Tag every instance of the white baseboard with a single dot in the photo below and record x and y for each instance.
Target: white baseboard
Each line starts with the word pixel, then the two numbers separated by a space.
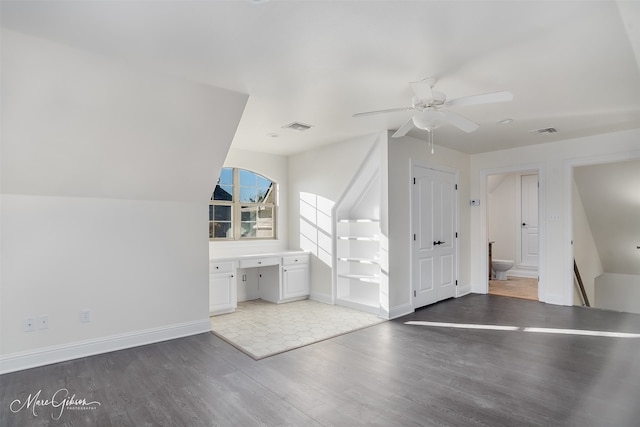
pixel 61 353
pixel 522 272
pixel 325 298
pixel 463 290
pixel 400 310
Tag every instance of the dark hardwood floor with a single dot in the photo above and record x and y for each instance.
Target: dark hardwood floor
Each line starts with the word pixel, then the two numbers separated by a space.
pixel 390 374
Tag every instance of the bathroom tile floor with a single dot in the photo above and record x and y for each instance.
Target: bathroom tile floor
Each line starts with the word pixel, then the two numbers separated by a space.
pixel 261 329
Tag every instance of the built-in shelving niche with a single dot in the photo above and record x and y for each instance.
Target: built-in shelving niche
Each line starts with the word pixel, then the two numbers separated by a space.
pixel 358 240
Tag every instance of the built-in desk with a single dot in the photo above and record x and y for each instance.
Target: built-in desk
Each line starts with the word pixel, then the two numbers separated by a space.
pixel 275 277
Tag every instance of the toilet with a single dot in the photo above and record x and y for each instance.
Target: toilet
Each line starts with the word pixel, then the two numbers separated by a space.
pixel 500 267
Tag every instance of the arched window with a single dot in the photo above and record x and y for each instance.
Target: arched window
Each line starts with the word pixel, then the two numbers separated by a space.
pixel 242 206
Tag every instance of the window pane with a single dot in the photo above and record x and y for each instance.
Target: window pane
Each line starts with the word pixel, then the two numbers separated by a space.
pixel 248 213
pixel 263 182
pixel 248 195
pixel 221 230
pixel 258 223
pixel 265 212
pixel 223 192
pixel 210 213
pixel 226 176
pixel 222 213
pixel 262 194
pixel 247 178
pixel 248 229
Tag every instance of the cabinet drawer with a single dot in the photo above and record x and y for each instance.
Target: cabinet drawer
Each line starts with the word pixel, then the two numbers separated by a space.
pixel 220 267
pixel 259 262
pixel 295 259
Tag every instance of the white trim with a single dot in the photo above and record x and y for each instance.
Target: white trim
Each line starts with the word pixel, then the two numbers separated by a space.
pixel 61 353
pixel 463 290
pixel 483 286
pixel 523 272
pixel 400 310
pixel 320 297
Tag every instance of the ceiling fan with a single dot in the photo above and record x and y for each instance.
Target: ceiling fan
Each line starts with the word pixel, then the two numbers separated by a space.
pixel 431 108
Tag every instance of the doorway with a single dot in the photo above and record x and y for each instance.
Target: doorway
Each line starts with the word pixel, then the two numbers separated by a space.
pixel 434 214
pixel 513 233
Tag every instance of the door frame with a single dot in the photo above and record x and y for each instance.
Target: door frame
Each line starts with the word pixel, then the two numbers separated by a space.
pixel 523 269
pixel 484 238
pixel 440 168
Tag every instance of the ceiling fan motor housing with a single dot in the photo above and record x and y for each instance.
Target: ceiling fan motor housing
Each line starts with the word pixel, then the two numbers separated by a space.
pixel 438 99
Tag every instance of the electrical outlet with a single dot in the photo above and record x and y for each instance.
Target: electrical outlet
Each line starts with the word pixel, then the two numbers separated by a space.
pixel 29 324
pixel 43 322
pixel 85 316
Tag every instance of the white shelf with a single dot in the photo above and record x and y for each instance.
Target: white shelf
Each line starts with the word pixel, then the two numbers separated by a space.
pixel 359 221
pixel 361 260
pixel 361 238
pixel 362 277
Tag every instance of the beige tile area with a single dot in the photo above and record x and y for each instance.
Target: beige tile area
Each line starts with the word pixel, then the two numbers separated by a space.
pixel 262 329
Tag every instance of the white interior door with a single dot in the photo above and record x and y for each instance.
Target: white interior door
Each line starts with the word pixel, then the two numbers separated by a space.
pixel 529 220
pixel 434 239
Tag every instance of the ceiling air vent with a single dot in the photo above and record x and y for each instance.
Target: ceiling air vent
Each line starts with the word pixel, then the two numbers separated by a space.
pixel 300 127
pixel 544 130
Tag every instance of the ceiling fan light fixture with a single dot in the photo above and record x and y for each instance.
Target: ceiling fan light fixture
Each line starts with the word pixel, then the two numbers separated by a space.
pixel 429 120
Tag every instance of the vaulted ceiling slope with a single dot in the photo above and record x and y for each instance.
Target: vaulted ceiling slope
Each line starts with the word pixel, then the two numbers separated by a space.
pixel 572 66
pixel 610 195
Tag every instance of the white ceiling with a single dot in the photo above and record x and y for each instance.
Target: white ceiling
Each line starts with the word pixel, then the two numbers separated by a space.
pixel 571 65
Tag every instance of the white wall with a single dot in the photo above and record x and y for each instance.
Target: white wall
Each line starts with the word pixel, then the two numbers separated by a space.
pixel 324 172
pixel 585 251
pixel 620 292
pixel 276 169
pixel 501 215
pixel 106 174
pixel 556 261
pixel 401 152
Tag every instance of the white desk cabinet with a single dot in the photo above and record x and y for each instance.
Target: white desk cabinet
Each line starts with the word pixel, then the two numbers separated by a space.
pixel 277 278
pixel 222 287
pixel 295 277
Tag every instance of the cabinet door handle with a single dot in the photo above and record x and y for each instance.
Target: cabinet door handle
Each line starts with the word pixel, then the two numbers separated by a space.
pixel 232 275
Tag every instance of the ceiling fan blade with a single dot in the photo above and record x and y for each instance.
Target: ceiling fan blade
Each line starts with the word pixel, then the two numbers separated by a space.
pixel 422 90
pixel 391 110
pixel 406 127
pixel 486 98
pixel 460 122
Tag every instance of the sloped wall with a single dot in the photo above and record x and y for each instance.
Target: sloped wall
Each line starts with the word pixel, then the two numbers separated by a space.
pixel 106 175
pixel 619 292
pixel 585 251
